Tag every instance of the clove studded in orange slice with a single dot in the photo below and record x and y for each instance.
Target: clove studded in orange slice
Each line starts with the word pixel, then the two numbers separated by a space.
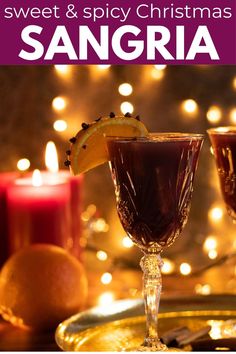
pixel 88 147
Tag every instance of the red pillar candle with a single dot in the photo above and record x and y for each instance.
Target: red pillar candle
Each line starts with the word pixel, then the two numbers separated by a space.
pixel 38 213
pixel 5 179
pixel 76 243
pixel 76 184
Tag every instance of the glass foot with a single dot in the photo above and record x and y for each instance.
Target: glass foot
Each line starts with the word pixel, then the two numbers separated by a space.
pixel 155 347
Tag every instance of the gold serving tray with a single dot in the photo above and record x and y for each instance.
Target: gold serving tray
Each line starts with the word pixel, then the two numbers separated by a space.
pixel 121 326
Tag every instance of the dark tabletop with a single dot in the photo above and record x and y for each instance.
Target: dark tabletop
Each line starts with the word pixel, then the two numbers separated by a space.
pixel 15 339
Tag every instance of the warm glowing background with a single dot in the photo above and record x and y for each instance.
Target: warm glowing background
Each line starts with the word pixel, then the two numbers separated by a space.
pixel 39 104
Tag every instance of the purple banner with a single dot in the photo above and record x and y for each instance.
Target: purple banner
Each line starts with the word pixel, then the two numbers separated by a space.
pixel 118 32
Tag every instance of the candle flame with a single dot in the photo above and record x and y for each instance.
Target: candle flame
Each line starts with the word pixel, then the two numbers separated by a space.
pixel 37 179
pixel 51 158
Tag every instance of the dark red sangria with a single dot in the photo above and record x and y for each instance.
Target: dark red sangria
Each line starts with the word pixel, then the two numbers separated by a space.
pixel 153 180
pixel 223 140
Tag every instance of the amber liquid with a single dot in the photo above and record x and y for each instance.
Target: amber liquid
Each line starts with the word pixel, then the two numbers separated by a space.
pixel 224 146
pixel 153 184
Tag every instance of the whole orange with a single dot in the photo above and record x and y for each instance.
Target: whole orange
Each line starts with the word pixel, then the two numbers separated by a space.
pixel 40 286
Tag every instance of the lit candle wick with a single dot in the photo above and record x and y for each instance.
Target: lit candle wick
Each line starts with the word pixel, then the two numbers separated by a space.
pixel 37 179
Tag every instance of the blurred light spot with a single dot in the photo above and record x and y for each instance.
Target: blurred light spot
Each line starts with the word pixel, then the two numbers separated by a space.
pixel 185 268
pixel 234 82
pixel 198 288
pixel 160 67
pixel 23 164
pixel 60 125
pixel 103 67
pixel 215 214
pixel 203 289
pixel 206 289
pixel 106 278
pixel 214 114
pixel 126 107
pixel 212 150
pixel 100 225
pixel 106 298
pixel 62 69
pixel 127 242
pixel 89 212
pixel 168 266
pixel 59 103
pixel 232 115
pixel 83 241
pixel 213 254
pixel 91 209
pixel 125 89
pixel 101 255
pixel 85 216
pixel 189 106
pixel 157 74
pixel 210 243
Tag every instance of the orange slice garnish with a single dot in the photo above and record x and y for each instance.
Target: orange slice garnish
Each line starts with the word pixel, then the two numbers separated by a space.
pixel 88 148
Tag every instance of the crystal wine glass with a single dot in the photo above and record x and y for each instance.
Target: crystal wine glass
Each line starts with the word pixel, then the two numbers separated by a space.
pixel 223 140
pixel 153 179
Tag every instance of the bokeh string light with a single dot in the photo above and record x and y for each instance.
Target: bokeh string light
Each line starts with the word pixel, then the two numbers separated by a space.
pixel 215 214
pixel 62 70
pixel 100 225
pixel 214 114
pixel 106 278
pixel 23 164
pixel 203 289
pixel 234 83
pixel 185 268
pixel 232 116
pixel 126 107
pixel 213 254
pixel 103 67
pixel 210 243
pixel 189 107
pixel 158 71
pixel 210 247
pixel 168 266
pixel 125 89
pixel 59 103
pixel 160 67
pixel 157 74
pixel 60 125
pixel 101 255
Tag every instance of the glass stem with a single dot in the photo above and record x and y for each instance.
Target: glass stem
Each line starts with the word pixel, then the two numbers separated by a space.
pixel 151 264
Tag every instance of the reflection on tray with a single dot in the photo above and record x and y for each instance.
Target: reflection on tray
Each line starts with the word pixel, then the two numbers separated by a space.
pixel 210 320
